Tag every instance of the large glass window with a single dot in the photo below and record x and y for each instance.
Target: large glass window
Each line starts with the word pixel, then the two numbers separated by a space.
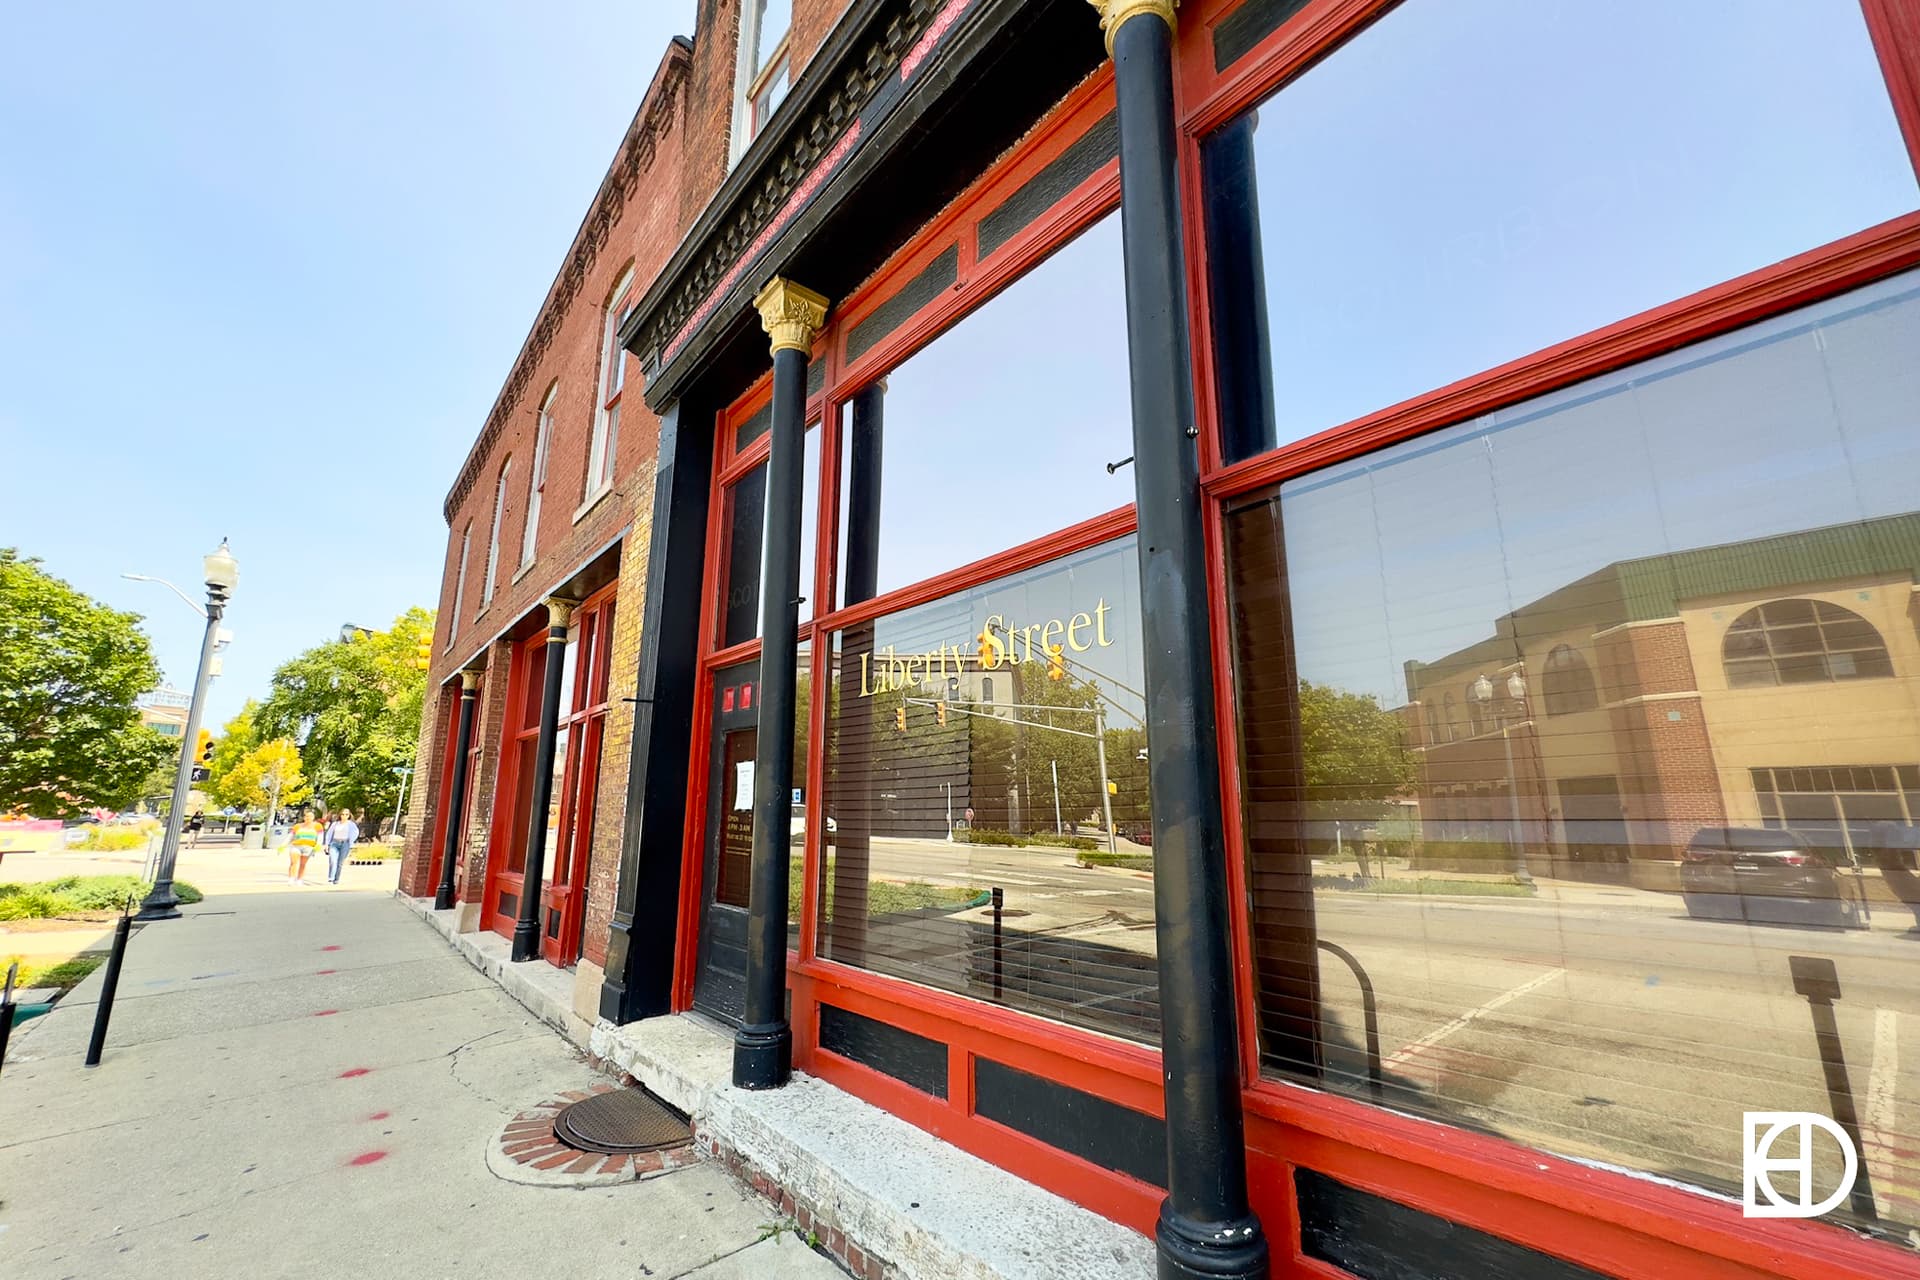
pixel 1465 183
pixel 1585 913
pixel 1014 423
pixel 997 846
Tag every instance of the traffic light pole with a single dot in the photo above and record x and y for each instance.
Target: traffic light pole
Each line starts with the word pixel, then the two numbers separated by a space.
pixel 161 901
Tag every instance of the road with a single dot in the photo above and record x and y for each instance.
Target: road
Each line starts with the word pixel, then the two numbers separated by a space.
pixel 1595 1021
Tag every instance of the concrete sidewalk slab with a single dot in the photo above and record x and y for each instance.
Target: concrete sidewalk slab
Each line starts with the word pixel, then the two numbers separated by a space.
pixel 275 1120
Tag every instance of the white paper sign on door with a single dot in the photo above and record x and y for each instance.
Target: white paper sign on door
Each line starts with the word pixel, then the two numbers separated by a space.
pixel 743 784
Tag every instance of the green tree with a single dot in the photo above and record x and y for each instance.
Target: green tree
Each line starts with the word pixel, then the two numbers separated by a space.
pixel 268 774
pixel 1356 751
pixel 360 702
pixel 70 669
pixel 235 743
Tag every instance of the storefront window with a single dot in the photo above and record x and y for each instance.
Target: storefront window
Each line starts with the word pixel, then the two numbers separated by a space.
pixel 1465 183
pixel 1000 431
pixel 1596 912
pixel 746 545
pixel 968 844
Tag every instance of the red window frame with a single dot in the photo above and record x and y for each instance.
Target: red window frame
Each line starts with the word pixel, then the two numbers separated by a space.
pixel 1120 1071
pixel 1614 1222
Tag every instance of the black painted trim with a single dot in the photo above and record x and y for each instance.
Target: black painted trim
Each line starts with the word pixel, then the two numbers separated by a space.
pixel 1380 1239
pixel 1247 26
pixel 909 1058
pixel 1044 189
pixel 1101 1132
pixel 935 279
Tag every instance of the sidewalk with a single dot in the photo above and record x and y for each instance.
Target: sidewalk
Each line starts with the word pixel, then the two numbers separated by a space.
pixel 305 1083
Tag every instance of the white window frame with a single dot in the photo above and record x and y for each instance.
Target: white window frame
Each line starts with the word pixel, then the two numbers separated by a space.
pixel 613 379
pixel 537 478
pixel 493 539
pixel 460 585
pixel 749 80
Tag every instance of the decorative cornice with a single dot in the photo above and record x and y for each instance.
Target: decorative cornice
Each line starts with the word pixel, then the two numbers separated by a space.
pixel 791 315
pixel 876 44
pixel 651 123
pixel 1115 13
pixel 559 611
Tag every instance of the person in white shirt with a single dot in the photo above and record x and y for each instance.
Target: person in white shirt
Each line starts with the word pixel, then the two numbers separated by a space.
pixel 341 833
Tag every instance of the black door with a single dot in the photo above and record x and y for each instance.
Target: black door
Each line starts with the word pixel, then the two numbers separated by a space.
pixel 719 986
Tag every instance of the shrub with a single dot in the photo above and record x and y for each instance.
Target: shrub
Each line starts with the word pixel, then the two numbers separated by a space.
pixel 112 839
pixel 71 895
pixel 30 902
pixel 102 893
pixel 1044 839
pixel 377 852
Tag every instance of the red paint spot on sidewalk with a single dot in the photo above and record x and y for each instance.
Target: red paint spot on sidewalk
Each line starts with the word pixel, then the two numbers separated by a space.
pixel 380 1115
pixel 325 1013
pixel 351 1072
pixel 321 973
pixel 368 1157
pixel 331 946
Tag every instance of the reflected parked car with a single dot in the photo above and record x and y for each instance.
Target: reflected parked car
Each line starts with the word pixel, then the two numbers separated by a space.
pixel 797 829
pixel 1764 875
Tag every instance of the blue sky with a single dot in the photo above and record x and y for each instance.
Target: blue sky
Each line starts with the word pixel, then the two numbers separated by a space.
pixel 262 271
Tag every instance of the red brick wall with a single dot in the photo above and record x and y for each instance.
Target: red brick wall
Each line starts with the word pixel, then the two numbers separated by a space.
pixel 709 119
pixel 1668 782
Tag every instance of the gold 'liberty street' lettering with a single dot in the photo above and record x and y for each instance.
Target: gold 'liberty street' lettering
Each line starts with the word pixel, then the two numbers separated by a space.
pixel 1001 642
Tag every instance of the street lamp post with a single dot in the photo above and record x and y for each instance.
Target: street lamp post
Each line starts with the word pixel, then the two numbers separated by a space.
pixel 222 573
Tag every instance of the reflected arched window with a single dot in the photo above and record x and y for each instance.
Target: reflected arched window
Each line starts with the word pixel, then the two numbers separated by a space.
pixel 1476 714
pixel 1568 682
pixel 1802 642
pixel 1450 716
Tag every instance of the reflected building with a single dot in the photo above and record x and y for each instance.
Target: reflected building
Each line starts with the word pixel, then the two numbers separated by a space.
pixel 1764 683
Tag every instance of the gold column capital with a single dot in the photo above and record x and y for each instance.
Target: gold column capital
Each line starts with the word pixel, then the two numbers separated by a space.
pixel 560 610
pixel 790 314
pixel 1115 13
pixel 469 680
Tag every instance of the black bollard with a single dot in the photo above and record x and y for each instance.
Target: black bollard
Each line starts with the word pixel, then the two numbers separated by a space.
pixel 6 1010
pixel 104 1010
pixel 999 970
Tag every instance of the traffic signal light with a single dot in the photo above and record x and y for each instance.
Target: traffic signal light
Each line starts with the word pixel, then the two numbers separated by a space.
pixel 1056 662
pixel 900 719
pixel 940 712
pixel 423 654
pixel 989 649
pixel 1113 788
pixel 203 747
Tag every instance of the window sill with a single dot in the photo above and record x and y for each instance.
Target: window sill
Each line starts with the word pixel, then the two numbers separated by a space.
pixel 594 499
pixel 522 572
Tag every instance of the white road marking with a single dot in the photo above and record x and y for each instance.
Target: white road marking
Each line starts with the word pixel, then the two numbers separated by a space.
pixel 1471 1016
pixel 1878 1133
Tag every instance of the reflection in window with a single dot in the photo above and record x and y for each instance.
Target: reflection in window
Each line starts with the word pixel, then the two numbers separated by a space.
pixel 1803 642
pixel 746 498
pixel 1449 233
pixel 969 849
pixel 1555 912
pixel 1567 682
pixel 1001 430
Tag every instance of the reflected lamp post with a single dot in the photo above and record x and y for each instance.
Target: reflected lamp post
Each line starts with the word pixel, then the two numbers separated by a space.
pixel 1482 693
pixel 222 574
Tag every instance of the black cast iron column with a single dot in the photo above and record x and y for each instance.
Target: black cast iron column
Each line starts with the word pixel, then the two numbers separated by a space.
pixel 457 802
pixel 763 1046
pixel 526 929
pixel 1207 1227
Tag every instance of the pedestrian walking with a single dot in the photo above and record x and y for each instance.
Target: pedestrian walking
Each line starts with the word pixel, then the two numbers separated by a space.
pixel 341 833
pixel 305 842
pixel 194 825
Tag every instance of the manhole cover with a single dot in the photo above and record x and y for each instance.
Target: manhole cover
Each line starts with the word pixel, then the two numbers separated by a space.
pixel 621 1122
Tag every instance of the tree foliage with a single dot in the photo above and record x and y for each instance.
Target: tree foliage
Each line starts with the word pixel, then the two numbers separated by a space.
pixel 1355 748
pixel 70 669
pixel 268 772
pixel 365 697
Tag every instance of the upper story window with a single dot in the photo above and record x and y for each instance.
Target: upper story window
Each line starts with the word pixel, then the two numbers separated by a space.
pixel 460 585
pixel 1568 682
pixel 493 538
pixel 613 377
pixel 763 73
pixel 1802 642
pixel 537 480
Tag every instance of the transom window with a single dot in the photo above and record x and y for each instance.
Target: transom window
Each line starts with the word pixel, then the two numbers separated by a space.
pixel 1803 642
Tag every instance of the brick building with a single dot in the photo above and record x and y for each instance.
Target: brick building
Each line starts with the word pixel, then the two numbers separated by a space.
pixel 964 627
